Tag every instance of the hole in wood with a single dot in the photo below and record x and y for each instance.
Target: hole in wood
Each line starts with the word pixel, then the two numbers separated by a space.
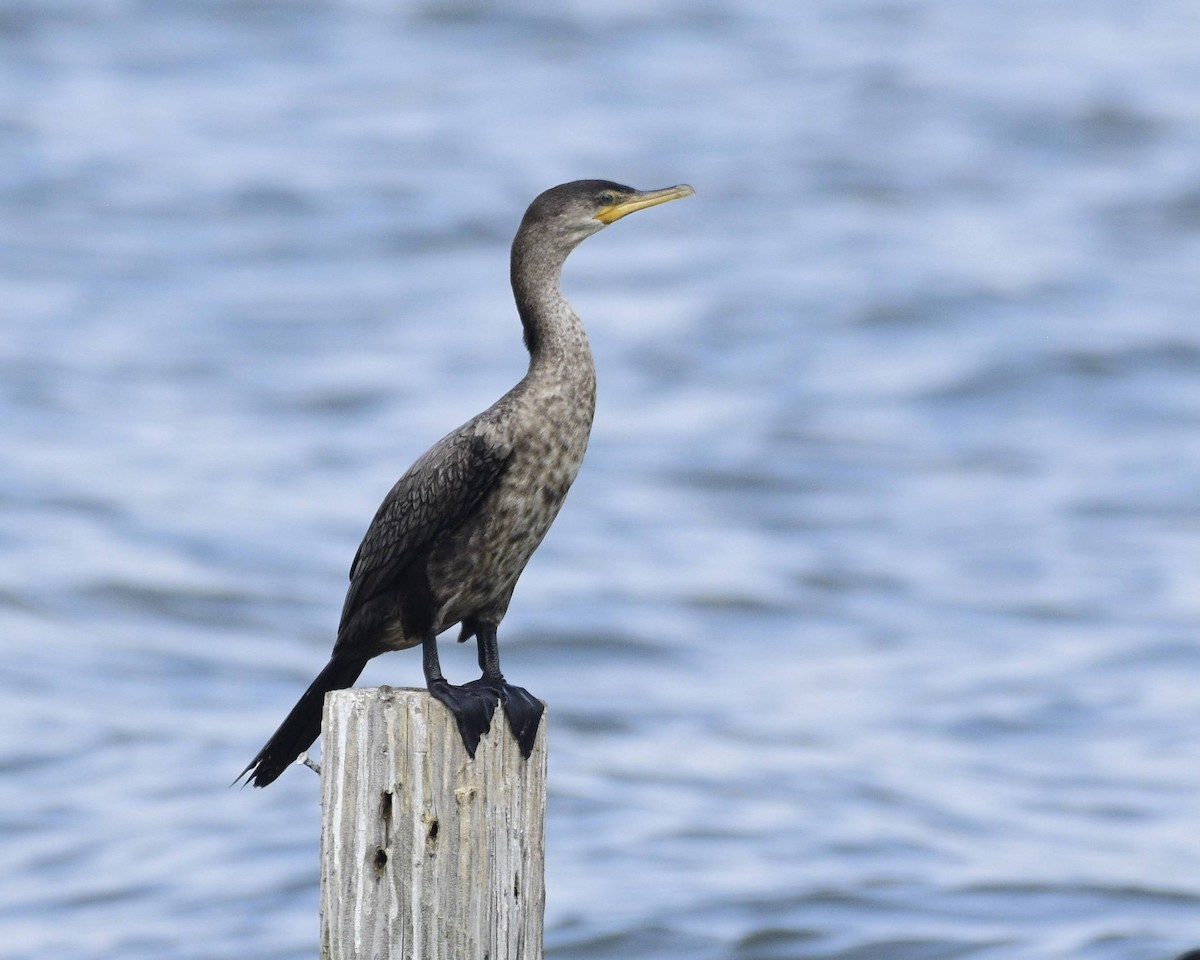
pixel 381 859
pixel 433 830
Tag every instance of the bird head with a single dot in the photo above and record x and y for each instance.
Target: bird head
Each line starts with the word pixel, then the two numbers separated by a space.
pixel 573 211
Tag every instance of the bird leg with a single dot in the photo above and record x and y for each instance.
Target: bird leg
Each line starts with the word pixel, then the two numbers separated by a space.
pixel 523 709
pixel 473 706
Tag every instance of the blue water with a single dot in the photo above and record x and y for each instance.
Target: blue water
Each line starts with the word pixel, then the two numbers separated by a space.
pixel 870 628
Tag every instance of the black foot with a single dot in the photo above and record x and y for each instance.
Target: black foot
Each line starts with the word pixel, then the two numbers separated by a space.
pixel 524 712
pixel 472 706
pixel 523 709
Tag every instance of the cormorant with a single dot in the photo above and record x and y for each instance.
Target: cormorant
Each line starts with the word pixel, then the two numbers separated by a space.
pixel 451 538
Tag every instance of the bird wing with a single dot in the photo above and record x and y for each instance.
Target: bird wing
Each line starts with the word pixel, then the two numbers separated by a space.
pixel 433 497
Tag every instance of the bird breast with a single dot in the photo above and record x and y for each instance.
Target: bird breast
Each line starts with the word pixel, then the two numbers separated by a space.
pixel 546 427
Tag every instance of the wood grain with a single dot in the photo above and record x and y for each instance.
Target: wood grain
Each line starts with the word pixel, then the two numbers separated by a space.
pixel 427 854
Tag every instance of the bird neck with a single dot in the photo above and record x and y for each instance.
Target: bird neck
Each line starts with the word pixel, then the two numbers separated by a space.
pixel 554 334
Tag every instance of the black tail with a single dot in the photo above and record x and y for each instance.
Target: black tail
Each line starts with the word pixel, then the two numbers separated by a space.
pixel 303 725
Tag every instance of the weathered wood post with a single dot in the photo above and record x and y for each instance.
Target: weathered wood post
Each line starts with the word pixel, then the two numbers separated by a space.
pixel 427 854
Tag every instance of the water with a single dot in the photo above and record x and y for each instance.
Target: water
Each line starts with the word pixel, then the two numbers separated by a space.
pixel 869 628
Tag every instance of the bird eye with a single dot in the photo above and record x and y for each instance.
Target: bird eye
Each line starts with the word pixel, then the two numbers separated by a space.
pixel 608 198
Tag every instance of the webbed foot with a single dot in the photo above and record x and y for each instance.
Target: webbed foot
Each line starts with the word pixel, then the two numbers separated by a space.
pixel 524 712
pixel 473 707
pixel 523 709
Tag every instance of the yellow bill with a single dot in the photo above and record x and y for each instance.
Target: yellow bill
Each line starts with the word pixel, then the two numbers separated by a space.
pixel 639 201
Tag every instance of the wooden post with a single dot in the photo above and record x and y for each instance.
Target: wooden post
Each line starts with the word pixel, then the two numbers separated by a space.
pixel 427 854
